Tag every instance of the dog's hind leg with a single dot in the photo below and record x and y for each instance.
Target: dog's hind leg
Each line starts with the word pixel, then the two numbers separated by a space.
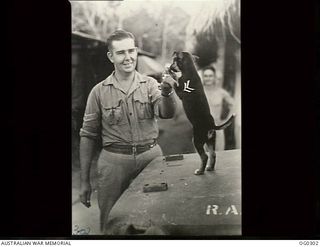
pixel 198 143
pixel 211 148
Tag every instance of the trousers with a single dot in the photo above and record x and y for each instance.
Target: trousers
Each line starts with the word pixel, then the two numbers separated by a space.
pixel 115 173
pixel 220 142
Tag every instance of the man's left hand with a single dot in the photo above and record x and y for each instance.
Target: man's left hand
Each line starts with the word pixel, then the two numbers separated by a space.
pixel 167 85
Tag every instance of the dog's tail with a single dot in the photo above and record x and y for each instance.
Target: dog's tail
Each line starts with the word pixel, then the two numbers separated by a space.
pixel 224 125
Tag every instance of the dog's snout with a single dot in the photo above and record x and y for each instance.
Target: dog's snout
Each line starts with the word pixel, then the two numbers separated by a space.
pixel 171 67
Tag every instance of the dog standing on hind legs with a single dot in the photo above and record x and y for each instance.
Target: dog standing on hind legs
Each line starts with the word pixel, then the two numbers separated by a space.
pixel 190 90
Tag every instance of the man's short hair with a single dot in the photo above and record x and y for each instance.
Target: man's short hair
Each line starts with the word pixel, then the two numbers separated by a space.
pixel 209 68
pixel 118 35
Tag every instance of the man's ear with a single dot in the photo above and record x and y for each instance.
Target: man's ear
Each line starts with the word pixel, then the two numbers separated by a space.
pixel 109 54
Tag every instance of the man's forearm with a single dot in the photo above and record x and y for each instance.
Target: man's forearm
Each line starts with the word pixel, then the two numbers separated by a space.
pixel 167 106
pixel 86 154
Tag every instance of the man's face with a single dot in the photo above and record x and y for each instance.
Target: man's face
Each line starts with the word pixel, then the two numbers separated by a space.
pixel 123 55
pixel 209 77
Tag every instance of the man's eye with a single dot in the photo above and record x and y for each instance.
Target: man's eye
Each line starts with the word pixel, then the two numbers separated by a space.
pixel 120 52
pixel 131 50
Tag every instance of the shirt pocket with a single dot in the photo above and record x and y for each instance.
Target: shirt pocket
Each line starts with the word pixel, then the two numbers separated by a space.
pixel 143 107
pixel 114 115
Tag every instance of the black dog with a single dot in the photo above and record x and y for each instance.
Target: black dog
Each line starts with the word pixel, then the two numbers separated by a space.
pixel 190 90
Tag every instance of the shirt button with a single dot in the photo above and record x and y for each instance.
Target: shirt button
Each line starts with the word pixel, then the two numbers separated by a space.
pixel 130 113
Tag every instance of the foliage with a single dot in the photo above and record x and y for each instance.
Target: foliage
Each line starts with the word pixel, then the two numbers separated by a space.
pixel 158 28
pixel 160 34
pixel 95 18
pixel 162 28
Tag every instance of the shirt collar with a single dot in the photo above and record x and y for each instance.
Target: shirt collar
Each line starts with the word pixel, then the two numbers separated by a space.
pixel 138 78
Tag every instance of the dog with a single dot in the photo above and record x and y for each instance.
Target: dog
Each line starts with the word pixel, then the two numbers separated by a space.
pixel 190 90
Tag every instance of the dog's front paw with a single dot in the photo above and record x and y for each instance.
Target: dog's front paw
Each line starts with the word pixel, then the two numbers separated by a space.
pixel 169 80
pixel 199 172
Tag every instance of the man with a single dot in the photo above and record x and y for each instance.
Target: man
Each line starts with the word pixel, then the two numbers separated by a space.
pixel 220 102
pixel 121 110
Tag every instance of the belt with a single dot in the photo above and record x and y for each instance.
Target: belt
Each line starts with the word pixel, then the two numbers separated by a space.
pixel 129 149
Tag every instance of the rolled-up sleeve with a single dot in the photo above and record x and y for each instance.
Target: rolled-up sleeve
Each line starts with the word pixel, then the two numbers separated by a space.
pixel 154 95
pixel 91 126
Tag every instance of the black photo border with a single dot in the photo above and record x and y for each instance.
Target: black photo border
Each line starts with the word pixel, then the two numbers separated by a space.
pixel 280 120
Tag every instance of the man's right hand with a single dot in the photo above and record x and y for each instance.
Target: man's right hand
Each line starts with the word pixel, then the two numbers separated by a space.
pixel 85 194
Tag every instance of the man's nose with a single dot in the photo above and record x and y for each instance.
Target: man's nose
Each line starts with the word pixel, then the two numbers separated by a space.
pixel 127 55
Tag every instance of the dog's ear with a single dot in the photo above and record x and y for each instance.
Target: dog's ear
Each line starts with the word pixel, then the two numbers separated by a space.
pixel 178 54
pixel 195 58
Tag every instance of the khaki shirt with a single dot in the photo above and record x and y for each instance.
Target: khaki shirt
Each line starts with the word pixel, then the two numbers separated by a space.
pixel 120 117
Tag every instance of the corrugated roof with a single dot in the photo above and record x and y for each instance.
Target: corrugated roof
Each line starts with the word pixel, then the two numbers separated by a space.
pixel 88 37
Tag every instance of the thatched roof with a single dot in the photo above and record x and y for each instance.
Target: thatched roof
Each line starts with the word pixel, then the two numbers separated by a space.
pixel 217 14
